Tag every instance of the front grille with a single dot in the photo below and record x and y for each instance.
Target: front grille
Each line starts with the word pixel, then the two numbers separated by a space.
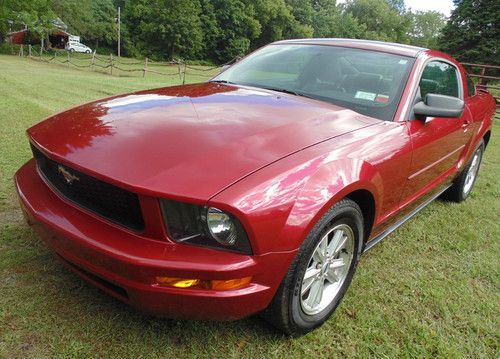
pixel 111 202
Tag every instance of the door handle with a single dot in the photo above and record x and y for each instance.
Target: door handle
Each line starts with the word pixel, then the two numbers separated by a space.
pixel 466 123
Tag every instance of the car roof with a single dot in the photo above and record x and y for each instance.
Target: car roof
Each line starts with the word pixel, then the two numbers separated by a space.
pixel 382 46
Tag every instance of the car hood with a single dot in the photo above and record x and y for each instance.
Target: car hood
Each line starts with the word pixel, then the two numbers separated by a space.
pixel 189 142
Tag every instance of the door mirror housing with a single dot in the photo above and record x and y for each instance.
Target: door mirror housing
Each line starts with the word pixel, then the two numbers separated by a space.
pixel 435 105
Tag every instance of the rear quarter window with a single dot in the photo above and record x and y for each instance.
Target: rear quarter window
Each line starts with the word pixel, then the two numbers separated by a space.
pixel 471 87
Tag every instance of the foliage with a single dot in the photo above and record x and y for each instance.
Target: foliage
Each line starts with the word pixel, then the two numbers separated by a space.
pixel 220 30
pixel 35 14
pixel 472 33
pixel 382 20
pixel 92 20
pixel 165 28
pixel 230 28
pixel 426 27
pixel 277 22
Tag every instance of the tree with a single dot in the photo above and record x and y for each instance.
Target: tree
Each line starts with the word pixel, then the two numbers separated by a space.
pixel 92 20
pixel 164 28
pixel 35 14
pixel 426 28
pixel 382 20
pixel 5 18
pixel 302 11
pixel 277 22
pixel 237 27
pixel 331 20
pixel 472 33
pixel 398 5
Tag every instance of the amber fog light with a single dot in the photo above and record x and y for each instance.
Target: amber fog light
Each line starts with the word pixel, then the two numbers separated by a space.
pixel 225 284
pixel 177 282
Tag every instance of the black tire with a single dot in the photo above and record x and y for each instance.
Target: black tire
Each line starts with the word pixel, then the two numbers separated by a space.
pixel 87 51
pixel 71 50
pixel 285 310
pixel 458 192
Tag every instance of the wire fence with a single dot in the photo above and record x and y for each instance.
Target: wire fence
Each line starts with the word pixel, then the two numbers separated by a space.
pixel 119 66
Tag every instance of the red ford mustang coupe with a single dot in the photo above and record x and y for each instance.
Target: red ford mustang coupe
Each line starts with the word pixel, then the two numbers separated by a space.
pixel 259 190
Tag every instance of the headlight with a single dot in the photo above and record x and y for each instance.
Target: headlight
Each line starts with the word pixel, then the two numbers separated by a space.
pixel 221 226
pixel 212 227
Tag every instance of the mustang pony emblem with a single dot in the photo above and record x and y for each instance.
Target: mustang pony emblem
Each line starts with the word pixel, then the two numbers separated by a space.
pixel 70 178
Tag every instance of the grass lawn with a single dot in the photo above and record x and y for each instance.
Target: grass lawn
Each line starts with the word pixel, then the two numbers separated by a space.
pixel 431 289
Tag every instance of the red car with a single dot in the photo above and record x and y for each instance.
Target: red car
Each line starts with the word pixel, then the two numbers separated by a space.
pixel 259 190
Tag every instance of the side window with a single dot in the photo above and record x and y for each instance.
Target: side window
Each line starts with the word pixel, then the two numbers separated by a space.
pixel 471 87
pixel 439 78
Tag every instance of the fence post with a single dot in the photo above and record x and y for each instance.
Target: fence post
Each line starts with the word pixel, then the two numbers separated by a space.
pixel 179 70
pixel 184 75
pixel 21 53
pixel 482 80
pixel 67 58
pixel 29 51
pixel 41 53
pixel 145 69
pixel 111 63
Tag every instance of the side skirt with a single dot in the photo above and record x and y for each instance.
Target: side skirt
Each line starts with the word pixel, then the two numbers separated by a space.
pixel 396 225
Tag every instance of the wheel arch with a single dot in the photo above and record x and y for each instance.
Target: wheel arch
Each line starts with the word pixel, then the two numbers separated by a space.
pixel 366 202
pixel 486 138
pixel 356 180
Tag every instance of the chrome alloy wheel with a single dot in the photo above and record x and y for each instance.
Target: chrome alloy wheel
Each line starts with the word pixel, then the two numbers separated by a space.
pixel 472 172
pixel 327 269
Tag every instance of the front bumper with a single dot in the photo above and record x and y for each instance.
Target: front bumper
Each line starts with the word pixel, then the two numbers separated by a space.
pixel 125 264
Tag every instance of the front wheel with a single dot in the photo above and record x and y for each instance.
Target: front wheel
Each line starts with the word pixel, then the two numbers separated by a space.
pixel 463 184
pixel 321 272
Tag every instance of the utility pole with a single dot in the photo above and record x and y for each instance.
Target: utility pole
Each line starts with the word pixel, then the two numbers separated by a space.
pixel 119 23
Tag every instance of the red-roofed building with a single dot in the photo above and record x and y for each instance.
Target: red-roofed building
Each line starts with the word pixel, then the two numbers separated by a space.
pixel 17 37
pixel 57 37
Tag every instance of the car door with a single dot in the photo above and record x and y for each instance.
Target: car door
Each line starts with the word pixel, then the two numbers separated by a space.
pixel 438 143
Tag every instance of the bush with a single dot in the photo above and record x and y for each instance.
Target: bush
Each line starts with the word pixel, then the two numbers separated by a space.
pixel 11 49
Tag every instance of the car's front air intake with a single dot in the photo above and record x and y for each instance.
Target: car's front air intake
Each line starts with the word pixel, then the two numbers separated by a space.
pixel 111 202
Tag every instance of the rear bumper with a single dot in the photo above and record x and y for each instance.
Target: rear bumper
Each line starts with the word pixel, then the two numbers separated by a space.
pixel 124 264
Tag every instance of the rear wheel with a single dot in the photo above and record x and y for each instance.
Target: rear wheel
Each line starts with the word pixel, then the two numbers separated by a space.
pixel 464 183
pixel 320 274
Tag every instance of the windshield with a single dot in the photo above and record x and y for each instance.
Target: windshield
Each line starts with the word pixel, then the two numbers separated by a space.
pixel 364 81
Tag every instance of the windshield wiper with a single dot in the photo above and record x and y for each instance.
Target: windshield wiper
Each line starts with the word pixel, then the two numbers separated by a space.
pixel 277 89
pixel 223 82
pixel 292 92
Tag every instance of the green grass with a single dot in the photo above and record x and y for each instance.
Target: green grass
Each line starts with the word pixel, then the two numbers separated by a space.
pixel 430 289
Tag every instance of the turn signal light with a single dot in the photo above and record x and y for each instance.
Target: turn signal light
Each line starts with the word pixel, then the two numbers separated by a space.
pixel 226 284
pixel 230 283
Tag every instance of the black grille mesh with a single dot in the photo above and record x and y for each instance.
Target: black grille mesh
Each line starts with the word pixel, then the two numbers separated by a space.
pixel 104 199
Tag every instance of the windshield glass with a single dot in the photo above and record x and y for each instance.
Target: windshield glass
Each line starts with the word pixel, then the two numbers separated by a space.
pixel 364 81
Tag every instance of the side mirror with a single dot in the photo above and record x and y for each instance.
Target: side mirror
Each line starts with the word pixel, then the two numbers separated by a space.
pixel 435 105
